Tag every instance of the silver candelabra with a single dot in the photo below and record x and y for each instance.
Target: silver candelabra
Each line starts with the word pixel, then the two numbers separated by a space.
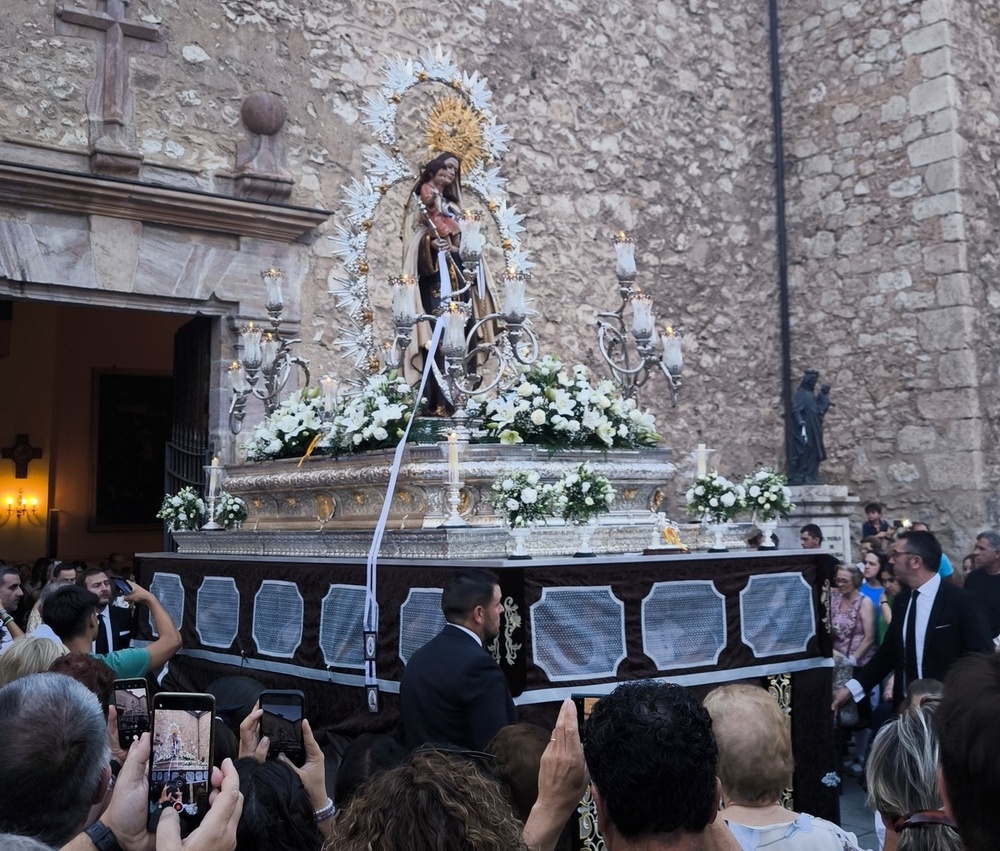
pixel 631 370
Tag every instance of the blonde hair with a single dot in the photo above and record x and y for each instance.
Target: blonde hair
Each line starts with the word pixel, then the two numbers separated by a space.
pixel 755 744
pixel 29 655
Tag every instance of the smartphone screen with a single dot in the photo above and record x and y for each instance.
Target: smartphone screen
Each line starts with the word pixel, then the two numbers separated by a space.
pixel 181 763
pixel 585 704
pixel 124 589
pixel 132 706
pixel 282 724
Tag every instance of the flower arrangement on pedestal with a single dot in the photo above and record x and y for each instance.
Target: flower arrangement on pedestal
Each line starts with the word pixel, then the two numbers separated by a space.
pixel 561 409
pixel 230 511
pixel 290 430
pixel 183 511
pixel 715 499
pixel 521 500
pixel 767 494
pixel 581 495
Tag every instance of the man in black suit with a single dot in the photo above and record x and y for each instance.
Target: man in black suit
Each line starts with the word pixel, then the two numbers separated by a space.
pixel 452 691
pixel 114 624
pixel 933 624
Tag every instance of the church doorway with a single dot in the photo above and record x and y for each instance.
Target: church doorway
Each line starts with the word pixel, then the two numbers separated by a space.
pixel 107 399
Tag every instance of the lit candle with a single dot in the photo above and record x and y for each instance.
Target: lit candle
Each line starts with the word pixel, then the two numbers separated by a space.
pixel 702 456
pixel 269 350
pixel 330 392
pixel 625 256
pixel 454 329
pixel 250 339
pixel 642 316
pixel 404 298
pixel 673 357
pixel 272 281
pixel 470 226
pixel 513 294
pixel 213 478
pixel 237 378
pixel 452 457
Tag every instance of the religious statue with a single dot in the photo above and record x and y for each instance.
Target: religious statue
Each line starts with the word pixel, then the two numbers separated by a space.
pixel 806 449
pixel 431 237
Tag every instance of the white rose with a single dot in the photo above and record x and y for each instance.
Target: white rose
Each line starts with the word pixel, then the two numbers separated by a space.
pixel 754 491
pixel 728 500
pixel 588 500
pixel 699 491
pixel 714 502
pixel 507 484
pixel 529 496
pixel 533 478
pixel 538 417
pixel 585 487
pixel 512 505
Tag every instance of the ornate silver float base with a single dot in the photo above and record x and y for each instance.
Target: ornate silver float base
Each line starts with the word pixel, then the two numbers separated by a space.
pixel 485 542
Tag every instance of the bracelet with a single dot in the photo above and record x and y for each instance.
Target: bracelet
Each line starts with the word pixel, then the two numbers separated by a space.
pixel 325 812
pixel 6 620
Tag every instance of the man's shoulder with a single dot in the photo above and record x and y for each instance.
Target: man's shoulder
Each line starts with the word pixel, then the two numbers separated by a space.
pixel 129 663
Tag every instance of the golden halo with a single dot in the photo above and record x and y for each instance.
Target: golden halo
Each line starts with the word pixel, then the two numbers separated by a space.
pixel 454 126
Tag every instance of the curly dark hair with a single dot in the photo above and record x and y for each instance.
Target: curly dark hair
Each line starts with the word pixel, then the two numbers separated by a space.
pixel 652 758
pixel 434 802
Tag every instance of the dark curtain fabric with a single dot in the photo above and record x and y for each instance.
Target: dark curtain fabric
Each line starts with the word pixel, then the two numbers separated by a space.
pixel 339 710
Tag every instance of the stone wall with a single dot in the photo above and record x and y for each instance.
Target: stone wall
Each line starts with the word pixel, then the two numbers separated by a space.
pixel 654 117
pixel 879 190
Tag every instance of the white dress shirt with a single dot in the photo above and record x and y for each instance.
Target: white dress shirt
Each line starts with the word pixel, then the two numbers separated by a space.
pixel 925 602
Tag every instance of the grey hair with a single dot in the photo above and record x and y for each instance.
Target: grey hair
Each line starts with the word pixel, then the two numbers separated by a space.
pixel 55 745
pixel 991 537
pixel 10 842
pixel 902 777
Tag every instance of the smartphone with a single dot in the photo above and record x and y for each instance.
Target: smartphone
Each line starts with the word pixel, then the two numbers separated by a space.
pixel 180 766
pixel 132 705
pixel 585 704
pixel 124 589
pixel 282 724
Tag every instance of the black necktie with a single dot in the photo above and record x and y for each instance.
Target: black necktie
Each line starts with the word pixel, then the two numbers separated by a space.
pixel 101 644
pixel 911 640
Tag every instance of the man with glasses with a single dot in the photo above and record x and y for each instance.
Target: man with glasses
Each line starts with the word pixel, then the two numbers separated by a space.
pixel 933 623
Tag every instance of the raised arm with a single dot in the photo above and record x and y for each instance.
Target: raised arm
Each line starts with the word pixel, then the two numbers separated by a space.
pixel 169 639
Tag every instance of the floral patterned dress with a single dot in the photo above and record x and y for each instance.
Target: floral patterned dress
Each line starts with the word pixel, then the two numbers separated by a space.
pixel 848 630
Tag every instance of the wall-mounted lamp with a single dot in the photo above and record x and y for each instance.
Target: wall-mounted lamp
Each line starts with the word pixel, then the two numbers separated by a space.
pixel 23 507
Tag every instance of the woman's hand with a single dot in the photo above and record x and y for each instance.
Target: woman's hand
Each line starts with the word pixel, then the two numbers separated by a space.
pixel 251 743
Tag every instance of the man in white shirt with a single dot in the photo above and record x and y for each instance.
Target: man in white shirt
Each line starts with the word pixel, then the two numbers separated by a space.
pixel 10 596
pixel 933 623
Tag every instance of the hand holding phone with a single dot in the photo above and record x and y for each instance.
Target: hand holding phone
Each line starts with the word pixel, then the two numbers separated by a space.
pixel 282 724
pixel 123 588
pixel 180 765
pixel 132 707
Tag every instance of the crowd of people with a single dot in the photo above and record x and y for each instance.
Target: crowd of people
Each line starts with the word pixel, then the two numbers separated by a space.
pixel 666 769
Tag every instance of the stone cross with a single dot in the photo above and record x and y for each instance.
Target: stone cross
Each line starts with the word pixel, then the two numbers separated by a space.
pixel 109 99
pixel 21 453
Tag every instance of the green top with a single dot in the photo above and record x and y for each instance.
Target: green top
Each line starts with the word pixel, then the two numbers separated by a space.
pixel 127 664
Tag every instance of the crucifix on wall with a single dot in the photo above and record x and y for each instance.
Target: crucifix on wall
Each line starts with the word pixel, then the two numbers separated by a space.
pixel 21 453
pixel 109 98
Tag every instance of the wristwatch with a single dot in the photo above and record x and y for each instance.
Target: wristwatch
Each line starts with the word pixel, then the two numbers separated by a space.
pixel 102 837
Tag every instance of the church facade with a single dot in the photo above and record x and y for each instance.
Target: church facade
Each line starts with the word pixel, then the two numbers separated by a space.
pixel 156 156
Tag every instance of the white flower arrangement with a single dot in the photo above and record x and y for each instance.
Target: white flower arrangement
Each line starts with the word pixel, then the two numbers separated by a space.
pixel 561 409
pixel 581 494
pixel 767 494
pixel 183 511
pixel 375 418
pixel 289 431
pixel 716 499
pixel 230 510
pixel 521 499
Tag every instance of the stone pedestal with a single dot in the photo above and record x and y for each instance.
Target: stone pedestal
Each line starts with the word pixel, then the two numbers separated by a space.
pixel 831 508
